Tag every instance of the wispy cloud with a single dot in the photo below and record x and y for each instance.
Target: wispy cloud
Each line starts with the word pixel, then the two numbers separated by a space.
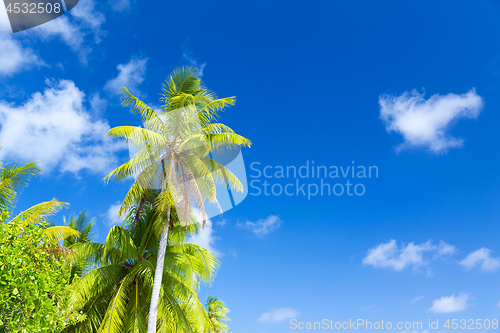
pixel 483 258
pixel 189 56
pixel 112 217
pixel 74 28
pixel 97 104
pixel 55 128
pixel 205 237
pixel 425 123
pixel 14 57
pixel 445 249
pixel 416 299
pixel 276 315
pixel 221 223
pixel 120 5
pixel 448 304
pixel 411 255
pixel 130 75
pixel 262 227
pixel 368 307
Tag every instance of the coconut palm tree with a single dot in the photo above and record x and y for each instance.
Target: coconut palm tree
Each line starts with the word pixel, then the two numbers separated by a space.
pixel 115 296
pixel 174 156
pixel 217 313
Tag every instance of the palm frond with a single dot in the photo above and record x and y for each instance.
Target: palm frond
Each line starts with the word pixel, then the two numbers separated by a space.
pixel 59 233
pixel 138 106
pixel 12 178
pixel 40 213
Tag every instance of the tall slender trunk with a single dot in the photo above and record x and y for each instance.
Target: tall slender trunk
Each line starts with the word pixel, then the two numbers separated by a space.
pixel 155 295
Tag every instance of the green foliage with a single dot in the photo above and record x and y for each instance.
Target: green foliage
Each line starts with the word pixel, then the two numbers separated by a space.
pixel 182 141
pixel 12 178
pixel 174 157
pixel 86 231
pixel 34 289
pixel 217 313
pixel 116 294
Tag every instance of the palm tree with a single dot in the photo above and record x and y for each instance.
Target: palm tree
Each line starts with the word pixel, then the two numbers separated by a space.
pixel 39 215
pixel 174 156
pixel 12 178
pixel 115 296
pixel 86 230
pixel 52 235
pixel 216 312
pixel 82 224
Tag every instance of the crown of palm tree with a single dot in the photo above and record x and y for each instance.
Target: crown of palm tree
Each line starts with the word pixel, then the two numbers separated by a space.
pixel 173 148
pixel 217 313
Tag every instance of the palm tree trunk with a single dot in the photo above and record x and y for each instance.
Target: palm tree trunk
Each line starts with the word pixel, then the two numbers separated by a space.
pixel 155 295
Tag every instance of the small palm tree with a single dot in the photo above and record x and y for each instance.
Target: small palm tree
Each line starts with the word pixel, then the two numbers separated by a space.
pixel 13 177
pixel 174 157
pixel 115 295
pixel 86 230
pixel 52 235
pixel 39 215
pixel 83 225
pixel 217 313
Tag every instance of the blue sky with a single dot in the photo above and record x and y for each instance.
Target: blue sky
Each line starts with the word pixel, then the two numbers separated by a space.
pixel 409 87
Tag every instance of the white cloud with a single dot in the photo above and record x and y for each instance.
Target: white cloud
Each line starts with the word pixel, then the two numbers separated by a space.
pixel 390 255
pixel 14 57
pixel 120 5
pixel 450 304
pixel 97 104
pixel 481 257
pixel 262 227
pixel 222 223
pixel 368 307
pixel 189 56
pixel 4 21
pixel 424 123
pixel 416 299
pixel 130 75
pixel 54 128
pixel 89 18
pixel 445 249
pixel 112 214
pixel 74 28
pixel 276 315
pixel 205 237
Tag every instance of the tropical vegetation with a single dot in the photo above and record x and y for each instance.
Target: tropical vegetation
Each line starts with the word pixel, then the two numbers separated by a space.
pixel 173 157
pixel 217 314
pixel 35 293
pixel 144 277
